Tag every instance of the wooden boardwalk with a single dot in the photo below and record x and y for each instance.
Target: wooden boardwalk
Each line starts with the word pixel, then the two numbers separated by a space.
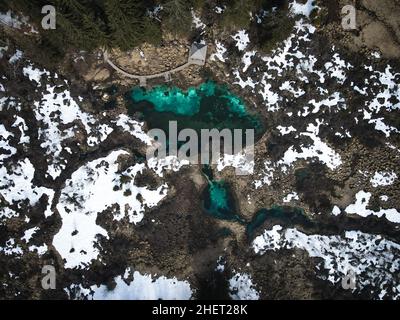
pixel 143 78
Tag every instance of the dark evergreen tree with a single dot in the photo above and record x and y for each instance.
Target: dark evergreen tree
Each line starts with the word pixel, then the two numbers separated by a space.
pixel 177 16
pixel 89 24
pixel 125 22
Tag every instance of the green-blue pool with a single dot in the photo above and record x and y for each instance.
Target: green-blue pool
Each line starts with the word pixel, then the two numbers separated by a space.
pixel 208 106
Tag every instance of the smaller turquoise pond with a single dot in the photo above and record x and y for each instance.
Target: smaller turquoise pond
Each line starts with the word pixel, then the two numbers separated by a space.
pixel 219 202
pixel 218 198
pixel 285 216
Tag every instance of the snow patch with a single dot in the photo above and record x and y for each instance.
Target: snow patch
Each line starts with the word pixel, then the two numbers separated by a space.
pixel 241 288
pixel 374 260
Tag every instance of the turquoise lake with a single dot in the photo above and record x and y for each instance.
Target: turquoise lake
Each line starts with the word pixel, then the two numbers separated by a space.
pixel 207 106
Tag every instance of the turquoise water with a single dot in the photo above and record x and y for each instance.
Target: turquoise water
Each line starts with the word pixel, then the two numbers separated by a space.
pixel 173 99
pixel 285 216
pixel 219 202
pixel 207 106
pixel 218 198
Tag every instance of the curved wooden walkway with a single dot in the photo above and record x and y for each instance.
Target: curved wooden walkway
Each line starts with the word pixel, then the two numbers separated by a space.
pixel 143 78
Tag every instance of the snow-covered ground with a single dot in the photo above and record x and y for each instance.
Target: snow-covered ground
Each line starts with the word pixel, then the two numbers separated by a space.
pixel 361 204
pixel 241 287
pixel 135 286
pixel 93 188
pixel 374 260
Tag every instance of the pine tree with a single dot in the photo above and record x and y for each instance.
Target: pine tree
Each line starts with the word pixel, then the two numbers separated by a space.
pixel 89 24
pixel 152 31
pixel 125 21
pixel 237 13
pixel 177 16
